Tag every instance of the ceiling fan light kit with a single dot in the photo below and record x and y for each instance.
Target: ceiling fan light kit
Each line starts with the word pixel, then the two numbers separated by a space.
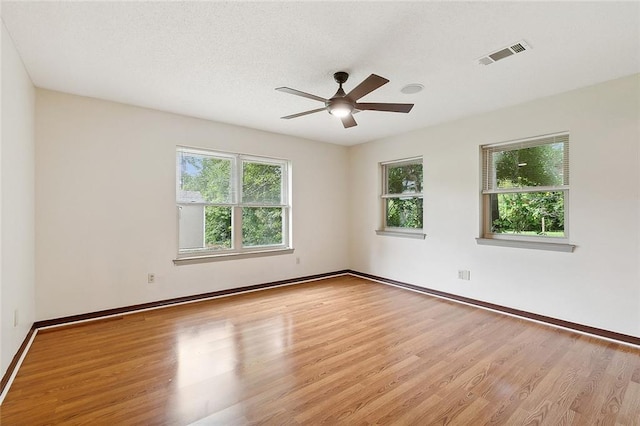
pixel 343 105
pixel 339 109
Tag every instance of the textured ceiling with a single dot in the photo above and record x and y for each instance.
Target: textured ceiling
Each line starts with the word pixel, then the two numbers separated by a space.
pixel 222 60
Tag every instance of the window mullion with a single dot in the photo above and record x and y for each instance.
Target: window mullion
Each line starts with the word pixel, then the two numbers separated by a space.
pixel 236 226
pixel 285 225
pixel 237 210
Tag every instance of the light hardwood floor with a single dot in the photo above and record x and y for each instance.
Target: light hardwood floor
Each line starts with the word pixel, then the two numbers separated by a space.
pixel 337 351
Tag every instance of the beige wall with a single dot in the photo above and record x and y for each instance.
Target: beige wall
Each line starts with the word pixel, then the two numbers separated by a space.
pixel 106 213
pixel 17 255
pixel 106 205
pixel 597 285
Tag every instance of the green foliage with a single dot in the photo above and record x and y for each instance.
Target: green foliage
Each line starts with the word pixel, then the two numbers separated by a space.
pixel 217 230
pixel 536 166
pixel 404 179
pixel 261 183
pixel 261 226
pixel 404 213
pixel 525 212
pixel 211 177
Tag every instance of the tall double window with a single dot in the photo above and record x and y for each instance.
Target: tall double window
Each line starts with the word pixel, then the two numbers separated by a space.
pixel 231 203
pixel 402 197
pixel 525 189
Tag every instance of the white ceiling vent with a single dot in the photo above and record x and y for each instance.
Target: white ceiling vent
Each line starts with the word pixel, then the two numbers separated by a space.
pixel 517 47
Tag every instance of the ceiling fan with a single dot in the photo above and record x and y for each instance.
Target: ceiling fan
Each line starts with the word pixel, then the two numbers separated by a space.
pixel 344 105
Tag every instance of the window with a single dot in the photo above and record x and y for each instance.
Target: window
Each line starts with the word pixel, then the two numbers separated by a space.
pixel 230 203
pixel 525 189
pixel 402 198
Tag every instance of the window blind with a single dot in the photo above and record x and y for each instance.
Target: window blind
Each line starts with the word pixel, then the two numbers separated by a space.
pixel 489 183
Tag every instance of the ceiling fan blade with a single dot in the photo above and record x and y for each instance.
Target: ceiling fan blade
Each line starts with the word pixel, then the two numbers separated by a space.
pixel 300 114
pixel 369 84
pixel 299 93
pixel 384 107
pixel 348 121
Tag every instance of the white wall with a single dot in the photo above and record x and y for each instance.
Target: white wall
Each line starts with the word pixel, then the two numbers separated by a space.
pixel 597 285
pixel 105 190
pixel 17 257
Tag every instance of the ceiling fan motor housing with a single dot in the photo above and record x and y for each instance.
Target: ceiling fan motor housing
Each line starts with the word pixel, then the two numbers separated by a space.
pixel 340 77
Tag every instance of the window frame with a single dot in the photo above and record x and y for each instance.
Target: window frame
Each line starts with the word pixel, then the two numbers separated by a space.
pixel 385 195
pixel 237 204
pixel 488 188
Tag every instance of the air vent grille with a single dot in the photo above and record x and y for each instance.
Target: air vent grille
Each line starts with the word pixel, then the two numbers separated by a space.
pixel 501 54
pixel 505 52
pixel 518 48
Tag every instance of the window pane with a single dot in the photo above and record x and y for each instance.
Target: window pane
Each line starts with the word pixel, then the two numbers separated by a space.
pixel 528 213
pixel 261 226
pixel 404 212
pixel 218 228
pixel 191 227
pixel 405 178
pixel 204 179
pixel 204 227
pixel 261 183
pixel 535 166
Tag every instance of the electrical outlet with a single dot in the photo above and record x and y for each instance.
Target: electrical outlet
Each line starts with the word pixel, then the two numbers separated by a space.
pixel 464 274
pixel 15 318
pixel 151 278
pixel 297 260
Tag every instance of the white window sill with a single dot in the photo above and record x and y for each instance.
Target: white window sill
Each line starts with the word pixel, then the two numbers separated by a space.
pixel 230 256
pixel 536 245
pixel 415 235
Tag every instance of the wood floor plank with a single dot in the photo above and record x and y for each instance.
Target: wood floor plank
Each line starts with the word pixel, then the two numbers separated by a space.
pixel 336 351
pixel 630 410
